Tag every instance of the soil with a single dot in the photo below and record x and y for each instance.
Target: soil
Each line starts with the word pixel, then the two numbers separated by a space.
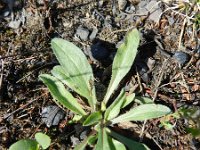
pixel 167 67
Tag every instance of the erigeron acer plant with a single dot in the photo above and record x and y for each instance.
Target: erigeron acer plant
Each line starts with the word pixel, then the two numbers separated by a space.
pixel 75 72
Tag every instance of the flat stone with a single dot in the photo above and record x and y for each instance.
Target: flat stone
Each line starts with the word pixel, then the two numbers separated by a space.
pixel 15 24
pixel 181 57
pixel 155 11
pixel 82 33
pixel 52 115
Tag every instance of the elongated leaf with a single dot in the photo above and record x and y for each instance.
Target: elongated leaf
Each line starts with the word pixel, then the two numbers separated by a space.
pixel 131 144
pixel 61 95
pixel 114 109
pixel 130 98
pixel 104 141
pixel 118 145
pixel 77 70
pixel 123 61
pixel 59 73
pixel 143 100
pixel 25 145
pixel 92 140
pixel 93 118
pixel 43 139
pixel 83 144
pixel 143 112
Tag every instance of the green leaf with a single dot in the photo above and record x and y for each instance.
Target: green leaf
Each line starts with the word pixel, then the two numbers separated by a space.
pixel 143 100
pixel 143 112
pixel 92 140
pixel 123 61
pixel 71 82
pixel 84 143
pixel 61 95
pixel 78 72
pixel 131 144
pixel 194 131
pixel 43 139
pixel 128 100
pixel 118 145
pixel 104 141
pixel 93 118
pixel 114 109
pixel 76 118
pixel 25 145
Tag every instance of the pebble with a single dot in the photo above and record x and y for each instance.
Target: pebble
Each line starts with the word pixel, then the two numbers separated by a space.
pixel 82 33
pixel 5 13
pixel 52 115
pixel 130 9
pixel 181 57
pixel 94 33
pixel 143 71
pixel 122 4
pixel 75 141
pixel 108 22
pixel 155 10
pixel 84 134
pixel 99 51
pixel 15 24
pixel 119 43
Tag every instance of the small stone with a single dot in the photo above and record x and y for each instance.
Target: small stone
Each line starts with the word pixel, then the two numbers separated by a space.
pixel 170 20
pixel 130 9
pixel 119 43
pixel 181 57
pixel 84 134
pixel 143 71
pixel 155 10
pixel 15 24
pixel 108 22
pixel 5 13
pixel 94 33
pixel 75 141
pixel 52 115
pixel 122 4
pixel 82 33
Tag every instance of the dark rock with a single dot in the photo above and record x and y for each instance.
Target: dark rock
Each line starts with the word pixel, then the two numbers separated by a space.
pixel 99 51
pixel 112 55
pixel 143 71
pixel 82 33
pixel 52 115
pixel 181 57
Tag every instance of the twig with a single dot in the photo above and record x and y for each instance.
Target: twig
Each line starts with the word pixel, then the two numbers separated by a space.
pixel 181 34
pixel 1 77
pixel 24 77
pixel 155 94
pixel 160 79
pixel 155 142
pixel 22 107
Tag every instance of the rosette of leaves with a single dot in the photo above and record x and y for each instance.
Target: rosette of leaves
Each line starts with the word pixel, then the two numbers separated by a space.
pixel 76 73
